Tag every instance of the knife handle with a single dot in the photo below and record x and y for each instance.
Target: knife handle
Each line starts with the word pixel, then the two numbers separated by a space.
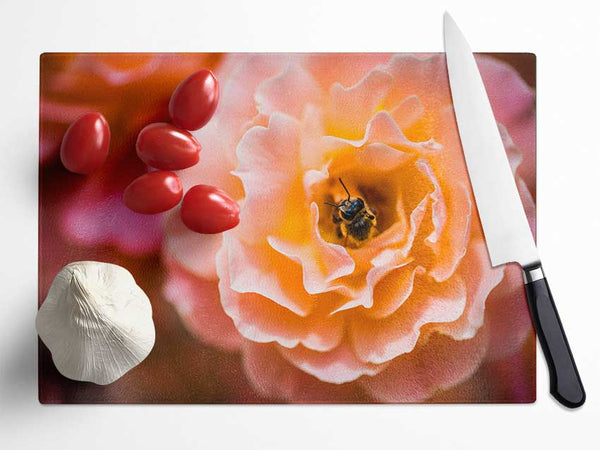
pixel 565 383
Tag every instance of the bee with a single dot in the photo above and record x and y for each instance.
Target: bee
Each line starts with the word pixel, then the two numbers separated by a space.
pixel 354 219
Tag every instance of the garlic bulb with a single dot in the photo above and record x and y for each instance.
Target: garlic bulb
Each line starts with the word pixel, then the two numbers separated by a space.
pixel 96 321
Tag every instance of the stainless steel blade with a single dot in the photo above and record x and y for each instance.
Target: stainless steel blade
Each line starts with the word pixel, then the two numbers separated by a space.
pixel 505 225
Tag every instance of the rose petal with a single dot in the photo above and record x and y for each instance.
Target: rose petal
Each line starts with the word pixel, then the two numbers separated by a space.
pixel 438 205
pixel 440 363
pixel 408 112
pixel 394 245
pixel 197 302
pixel 380 340
pixel 259 270
pixel 261 320
pixel 196 252
pixel 351 109
pixel 480 279
pixel 322 262
pixel 342 68
pixel 513 102
pixel 269 165
pixel 288 92
pixel 314 178
pixel 528 205
pixel 240 76
pixel 239 79
pixel 386 261
pixel 507 315
pixel 380 129
pixel 424 75
pixel 337 366
pixel 365 296
pixel 381 157
pixel 393 290
pixel 416 217
pixel 515 157
pixel 449 169
pixel 275 377
pixel 313 130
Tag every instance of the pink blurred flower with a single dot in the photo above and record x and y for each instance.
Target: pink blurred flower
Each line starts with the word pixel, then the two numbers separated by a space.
pixel 131 91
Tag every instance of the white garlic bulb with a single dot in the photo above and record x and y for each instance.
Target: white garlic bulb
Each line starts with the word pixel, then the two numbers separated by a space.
pixel 96 321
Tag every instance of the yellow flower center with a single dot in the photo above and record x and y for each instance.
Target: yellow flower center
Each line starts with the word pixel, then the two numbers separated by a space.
pixel 355 220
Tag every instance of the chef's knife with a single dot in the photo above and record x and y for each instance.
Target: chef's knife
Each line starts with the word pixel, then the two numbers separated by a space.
pixel 507 234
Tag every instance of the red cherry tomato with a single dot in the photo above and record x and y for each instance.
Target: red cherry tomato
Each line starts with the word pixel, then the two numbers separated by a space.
pixel 85 144
pixel 167 147
pixel 207 209
pixel 153 192
pixel 194 101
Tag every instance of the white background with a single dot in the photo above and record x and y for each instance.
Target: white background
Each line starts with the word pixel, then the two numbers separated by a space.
pixel 566 39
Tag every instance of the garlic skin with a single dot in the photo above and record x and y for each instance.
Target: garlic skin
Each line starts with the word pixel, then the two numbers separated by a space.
pixel 96 321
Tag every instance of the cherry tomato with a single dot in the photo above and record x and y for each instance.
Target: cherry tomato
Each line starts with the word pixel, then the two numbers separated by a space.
pixel 153 192
pixel 194 101
pixel 85 144
pixel 207 209
pixel 167 147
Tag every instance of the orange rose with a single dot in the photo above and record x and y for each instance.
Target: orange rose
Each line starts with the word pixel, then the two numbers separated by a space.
pixel 408 311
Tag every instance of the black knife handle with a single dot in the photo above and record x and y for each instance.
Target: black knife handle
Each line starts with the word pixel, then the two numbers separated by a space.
pixel 565 383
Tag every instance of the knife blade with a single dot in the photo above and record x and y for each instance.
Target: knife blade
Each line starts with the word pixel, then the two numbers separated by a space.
pixel 506 230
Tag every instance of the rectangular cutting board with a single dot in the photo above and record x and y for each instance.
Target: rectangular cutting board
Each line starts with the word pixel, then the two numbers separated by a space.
pixel 290 306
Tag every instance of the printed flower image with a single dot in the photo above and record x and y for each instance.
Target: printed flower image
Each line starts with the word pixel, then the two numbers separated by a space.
pixel 358 272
